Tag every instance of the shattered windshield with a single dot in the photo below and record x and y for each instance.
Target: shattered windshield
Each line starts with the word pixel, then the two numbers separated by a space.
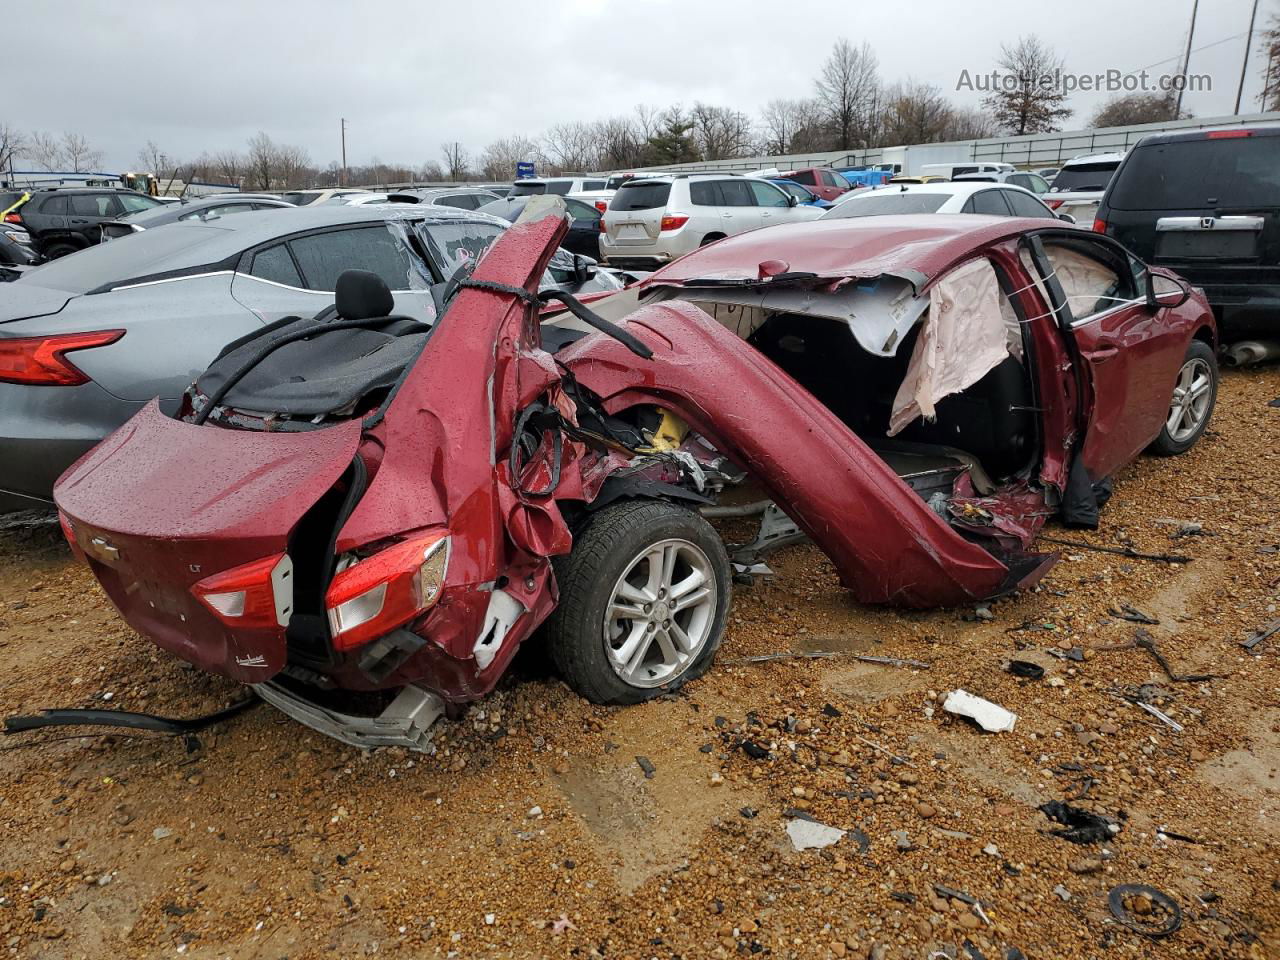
pixel 454 245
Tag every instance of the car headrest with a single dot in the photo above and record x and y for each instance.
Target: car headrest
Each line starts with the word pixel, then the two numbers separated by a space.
pixel 361 295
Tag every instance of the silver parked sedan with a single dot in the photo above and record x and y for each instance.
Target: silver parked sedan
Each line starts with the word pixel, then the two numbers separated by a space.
pixel 87 340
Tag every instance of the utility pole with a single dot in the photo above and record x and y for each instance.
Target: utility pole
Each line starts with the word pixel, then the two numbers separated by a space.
pixel 1248 46
pixel 1186 59
pixel 342 180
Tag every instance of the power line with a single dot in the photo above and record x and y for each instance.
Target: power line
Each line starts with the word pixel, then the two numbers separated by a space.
pixel 1235 36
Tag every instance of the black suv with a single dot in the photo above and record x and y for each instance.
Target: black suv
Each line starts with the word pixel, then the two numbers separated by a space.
pixel 1207 205
pixel 64 220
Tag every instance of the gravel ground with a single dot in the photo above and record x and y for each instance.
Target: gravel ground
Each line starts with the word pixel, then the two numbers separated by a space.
pixel 535 832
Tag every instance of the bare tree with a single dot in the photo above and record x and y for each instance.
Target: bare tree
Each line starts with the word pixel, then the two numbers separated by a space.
pixel 12 144
pixel 648 120
pixel 78 155
pixel 44 150
pixel 848 87
pixel 261 161
pixel 229 165
pixel 292 165
pixel 498 162
pixel 620 142
pixel 456 161
pixel 914 113
pixel 571 147
pixel 1031 101
pixel 1137 108
pixel 719 132
pixel 152 159
pixel 969 124
pixel 779 120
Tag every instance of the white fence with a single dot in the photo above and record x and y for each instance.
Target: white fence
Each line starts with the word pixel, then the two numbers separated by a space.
pixel 1032 150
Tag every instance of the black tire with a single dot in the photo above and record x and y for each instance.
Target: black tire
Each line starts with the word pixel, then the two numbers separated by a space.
pixel 1166 444
pixel 55 250
pixel 711 238
pixel 613 541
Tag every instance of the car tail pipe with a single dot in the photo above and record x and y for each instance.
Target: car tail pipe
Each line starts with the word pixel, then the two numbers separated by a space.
pixel 1246 353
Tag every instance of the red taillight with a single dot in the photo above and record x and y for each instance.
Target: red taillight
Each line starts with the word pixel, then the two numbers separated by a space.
pixel 40 361
pixel 1099 226
pixel 602 206
pixel 1228 134
pixel 386 590
pixel 673 223
pixel 256 595
pixel 13 216
pixel 1054 204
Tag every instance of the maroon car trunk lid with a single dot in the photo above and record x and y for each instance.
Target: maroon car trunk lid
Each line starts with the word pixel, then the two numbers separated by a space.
pixel 161 504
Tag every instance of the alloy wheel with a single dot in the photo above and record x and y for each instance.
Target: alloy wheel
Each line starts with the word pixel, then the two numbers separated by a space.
pixel 1192 396
pixel 661 613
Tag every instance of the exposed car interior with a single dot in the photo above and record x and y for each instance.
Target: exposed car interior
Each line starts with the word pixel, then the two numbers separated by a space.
pixel 988 426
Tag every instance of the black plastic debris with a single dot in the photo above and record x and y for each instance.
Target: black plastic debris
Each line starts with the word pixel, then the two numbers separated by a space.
pixel 861 839
pixel 1026 669
pixel 1162 919
pixel 748 813
pixel 829 711
pixel 647 766
pixel 754 750
pixel 902 896
pixel 1133 615
pixel 1081 826
pixel 1145 641
pixel 176 726
pixel 1259 635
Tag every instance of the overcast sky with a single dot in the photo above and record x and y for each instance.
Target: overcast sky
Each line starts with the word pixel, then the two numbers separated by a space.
pixel 411 76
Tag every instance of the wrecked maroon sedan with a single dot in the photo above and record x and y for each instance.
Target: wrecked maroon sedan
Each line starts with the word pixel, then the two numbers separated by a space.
pixel 364 502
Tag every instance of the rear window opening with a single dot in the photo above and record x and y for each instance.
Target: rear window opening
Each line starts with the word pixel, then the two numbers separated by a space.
pixel 1199 174
pixel 1085 176
pixel 640 196
pixel 528 190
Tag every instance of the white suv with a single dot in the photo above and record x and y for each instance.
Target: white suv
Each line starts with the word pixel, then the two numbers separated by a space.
pixel 653 220
pixel 560 186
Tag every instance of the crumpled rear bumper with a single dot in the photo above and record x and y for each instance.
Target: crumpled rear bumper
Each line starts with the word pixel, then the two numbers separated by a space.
pixel 406 722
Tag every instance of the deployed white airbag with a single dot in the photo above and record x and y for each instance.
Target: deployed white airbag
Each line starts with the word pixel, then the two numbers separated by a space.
pixel 962 339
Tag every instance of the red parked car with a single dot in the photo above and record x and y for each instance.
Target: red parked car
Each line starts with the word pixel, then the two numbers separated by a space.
pixel 825 182
pixel 360 502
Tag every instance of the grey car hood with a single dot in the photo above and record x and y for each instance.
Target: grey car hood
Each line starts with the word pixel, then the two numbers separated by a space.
pixel 20 301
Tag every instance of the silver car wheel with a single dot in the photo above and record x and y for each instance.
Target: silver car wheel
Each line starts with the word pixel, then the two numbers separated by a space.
pixel 660 614
pixel 1192 396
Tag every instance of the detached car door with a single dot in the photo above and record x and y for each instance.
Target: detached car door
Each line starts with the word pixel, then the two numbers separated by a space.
pixel 1131 353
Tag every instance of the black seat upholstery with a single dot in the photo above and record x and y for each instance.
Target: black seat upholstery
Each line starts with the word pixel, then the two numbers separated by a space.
pixel 362 295
pixel 989 420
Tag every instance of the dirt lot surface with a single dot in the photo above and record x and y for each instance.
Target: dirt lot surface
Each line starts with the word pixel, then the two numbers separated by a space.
pixel 534 831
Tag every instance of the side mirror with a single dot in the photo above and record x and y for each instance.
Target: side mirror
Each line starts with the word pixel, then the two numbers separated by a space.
pixel 583 269
pixel 1066 218
pixel 792 200
pixel 1165 291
